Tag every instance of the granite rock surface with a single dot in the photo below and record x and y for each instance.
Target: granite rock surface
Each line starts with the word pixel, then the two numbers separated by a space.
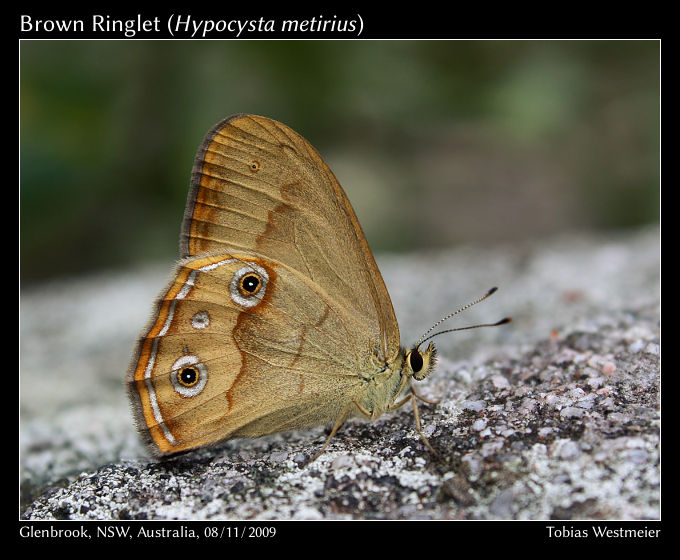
pixel 554 416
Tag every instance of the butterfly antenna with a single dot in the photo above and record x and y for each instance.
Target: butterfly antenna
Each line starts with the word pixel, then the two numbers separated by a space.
pixel 486 295
pixel 497 323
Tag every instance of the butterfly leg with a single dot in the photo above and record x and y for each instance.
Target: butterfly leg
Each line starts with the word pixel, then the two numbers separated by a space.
pixel 416 415
pixel 413 397
pixel 402 402
pixel 363 409
pixel 407 398
pixel 428 401
pixel 338 423
pixel 413 392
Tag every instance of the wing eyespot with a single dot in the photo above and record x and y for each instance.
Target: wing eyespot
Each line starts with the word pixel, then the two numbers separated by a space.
pixel 249 285
pixel 189 376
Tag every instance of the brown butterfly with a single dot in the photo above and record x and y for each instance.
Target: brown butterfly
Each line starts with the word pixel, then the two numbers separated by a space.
pixel 277 316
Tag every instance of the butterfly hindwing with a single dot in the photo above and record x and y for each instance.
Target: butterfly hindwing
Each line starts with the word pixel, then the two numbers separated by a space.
pixel 252 364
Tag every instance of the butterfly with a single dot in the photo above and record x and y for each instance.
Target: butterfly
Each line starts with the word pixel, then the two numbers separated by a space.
pixel 276 317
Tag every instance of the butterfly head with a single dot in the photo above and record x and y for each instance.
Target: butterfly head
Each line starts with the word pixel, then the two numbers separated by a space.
pixel 419 363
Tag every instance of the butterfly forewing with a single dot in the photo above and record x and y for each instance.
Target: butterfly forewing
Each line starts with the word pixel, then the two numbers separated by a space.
pixel 259 186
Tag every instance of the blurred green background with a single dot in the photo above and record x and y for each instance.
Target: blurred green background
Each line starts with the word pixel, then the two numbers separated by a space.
pixel 437 143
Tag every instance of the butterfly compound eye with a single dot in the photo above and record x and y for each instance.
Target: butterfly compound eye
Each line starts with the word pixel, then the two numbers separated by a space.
pixel 415 360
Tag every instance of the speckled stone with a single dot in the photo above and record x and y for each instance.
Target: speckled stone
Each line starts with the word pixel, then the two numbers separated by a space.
pixel 553 416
